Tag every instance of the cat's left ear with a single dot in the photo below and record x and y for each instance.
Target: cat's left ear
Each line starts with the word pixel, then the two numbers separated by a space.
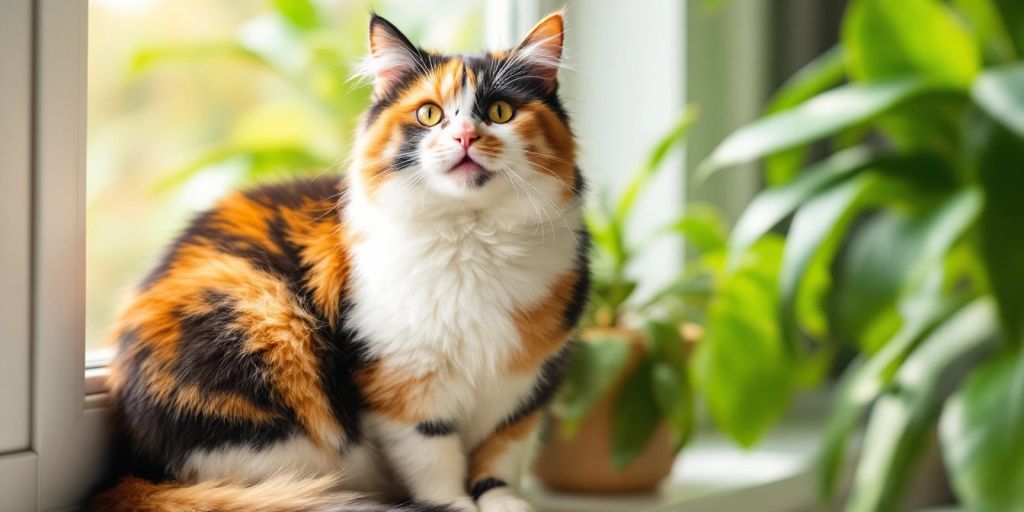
pixel 541 49
pixel 392 56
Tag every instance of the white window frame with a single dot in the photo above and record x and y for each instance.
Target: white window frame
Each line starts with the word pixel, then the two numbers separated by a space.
pixel 65 448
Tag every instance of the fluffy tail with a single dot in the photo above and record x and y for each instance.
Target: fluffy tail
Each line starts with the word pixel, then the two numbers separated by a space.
pixel 284 493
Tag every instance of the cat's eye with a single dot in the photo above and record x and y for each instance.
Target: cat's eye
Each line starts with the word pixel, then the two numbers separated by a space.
pixel 500 111
pixel 428 114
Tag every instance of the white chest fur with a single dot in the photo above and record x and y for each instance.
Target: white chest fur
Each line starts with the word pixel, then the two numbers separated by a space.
pixel 439 297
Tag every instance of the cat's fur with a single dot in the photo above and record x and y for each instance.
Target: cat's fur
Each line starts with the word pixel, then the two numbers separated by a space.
pixel 394 333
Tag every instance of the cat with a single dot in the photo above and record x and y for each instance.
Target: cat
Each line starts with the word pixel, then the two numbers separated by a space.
pixel 393 334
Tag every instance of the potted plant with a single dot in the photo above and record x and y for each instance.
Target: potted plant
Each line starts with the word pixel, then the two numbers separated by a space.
pixel 626 407
pixel 904 248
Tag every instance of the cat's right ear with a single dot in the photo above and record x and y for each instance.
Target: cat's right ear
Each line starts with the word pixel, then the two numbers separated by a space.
pixel 392 56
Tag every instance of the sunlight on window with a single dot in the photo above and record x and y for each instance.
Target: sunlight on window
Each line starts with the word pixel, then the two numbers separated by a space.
pixel 190 98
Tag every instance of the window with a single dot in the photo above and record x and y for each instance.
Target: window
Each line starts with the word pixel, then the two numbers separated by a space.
pixel 180 95
pixel 190 98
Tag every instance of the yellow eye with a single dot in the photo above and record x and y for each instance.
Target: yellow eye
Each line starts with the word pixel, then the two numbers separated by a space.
pixel 428 114
pixel 500 111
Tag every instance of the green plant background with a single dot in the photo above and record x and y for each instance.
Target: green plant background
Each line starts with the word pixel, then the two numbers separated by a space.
pixel 904 249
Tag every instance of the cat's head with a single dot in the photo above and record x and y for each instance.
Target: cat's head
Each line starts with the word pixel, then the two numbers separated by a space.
pixel 451 133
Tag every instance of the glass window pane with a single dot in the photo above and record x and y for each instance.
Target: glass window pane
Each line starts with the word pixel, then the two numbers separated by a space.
pixel 189 98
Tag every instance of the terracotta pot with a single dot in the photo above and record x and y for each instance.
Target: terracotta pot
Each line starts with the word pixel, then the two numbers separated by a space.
pixel 583 463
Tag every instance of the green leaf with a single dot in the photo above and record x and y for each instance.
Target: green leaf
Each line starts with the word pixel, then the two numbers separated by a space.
pixel 635 416
pixel 702 225
pixel 300 14
pixel 642 176
pixel 674 396
pixel 989 29
pixel 982 436
pixel 775 204
pixel 666 344
pixel 595 366
pixel 883 39
pixel 889 255
pixel 824 115
pixel 743 370
pixel 817 226
pixel 1002 220
pixel 824 72
pixel 903 416
pixel 1013 16
pixel 864 380
pixel 1000 92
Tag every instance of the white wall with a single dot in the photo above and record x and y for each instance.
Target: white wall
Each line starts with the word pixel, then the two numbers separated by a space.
pixel 625 89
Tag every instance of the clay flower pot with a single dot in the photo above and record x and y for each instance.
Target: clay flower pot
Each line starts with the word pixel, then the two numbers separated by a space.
pixel 583 462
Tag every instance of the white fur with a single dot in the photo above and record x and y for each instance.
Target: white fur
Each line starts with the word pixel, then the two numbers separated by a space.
pixel 440 268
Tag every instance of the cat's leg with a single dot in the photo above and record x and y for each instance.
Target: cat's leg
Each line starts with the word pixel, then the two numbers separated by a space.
pixel 495 465
pixel 429 459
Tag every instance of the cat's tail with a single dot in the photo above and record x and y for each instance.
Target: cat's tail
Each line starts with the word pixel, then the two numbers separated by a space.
pixel 282 493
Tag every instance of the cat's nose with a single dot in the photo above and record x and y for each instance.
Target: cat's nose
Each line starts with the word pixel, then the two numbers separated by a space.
pixel 465 137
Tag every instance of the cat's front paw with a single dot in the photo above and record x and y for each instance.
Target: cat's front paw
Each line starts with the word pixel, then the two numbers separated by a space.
pixel 502 499
pixel 464 504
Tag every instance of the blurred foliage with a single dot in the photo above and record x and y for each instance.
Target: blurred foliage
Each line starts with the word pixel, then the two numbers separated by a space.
pixel 657 388
pixel 188 99
pixel 904 246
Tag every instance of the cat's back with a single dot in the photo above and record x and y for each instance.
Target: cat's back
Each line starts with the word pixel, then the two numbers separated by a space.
pixel 224 341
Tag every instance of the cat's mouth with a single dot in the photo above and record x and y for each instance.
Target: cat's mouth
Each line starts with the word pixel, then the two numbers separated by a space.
pixel 469 172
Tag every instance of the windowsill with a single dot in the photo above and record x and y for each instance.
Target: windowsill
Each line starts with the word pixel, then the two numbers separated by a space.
pixel 714 475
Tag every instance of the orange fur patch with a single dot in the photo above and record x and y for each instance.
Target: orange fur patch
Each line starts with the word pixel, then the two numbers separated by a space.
pixel 482 458
pixel 540 326
pixel 395 394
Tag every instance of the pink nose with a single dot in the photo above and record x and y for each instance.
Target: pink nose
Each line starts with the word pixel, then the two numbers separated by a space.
pixel 466 137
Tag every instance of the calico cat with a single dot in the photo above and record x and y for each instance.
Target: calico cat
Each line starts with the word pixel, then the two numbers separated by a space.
pixel 389 335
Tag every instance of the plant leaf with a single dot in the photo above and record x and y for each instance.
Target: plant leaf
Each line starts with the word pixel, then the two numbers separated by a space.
pixel 1000 92
pixel 702 226
pixel 883 39
pixel 595 366
pixel 824 72
pixel 999 167
pixel 674 396
pixel 817 226
pixel 773 205
pixel 1013 16
pixel 982 436
pixel 742 368
pixel 819 117
pixel 864 380
pixel 889 255
pixel 903 416
pixel 635 416
pixel 989 28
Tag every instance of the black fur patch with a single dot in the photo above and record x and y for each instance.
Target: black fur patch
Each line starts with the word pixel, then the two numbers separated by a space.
pixel 581 288
pixel 412 135
pixel 212 355
pixel 548 381
pixel 481 487
pixel 436 428
pixel 160 438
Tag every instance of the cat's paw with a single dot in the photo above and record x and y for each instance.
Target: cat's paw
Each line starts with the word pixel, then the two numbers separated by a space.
pixel 463 504
pixel 502 499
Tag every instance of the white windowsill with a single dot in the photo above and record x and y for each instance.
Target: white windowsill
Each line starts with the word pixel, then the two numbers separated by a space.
pixel 714 475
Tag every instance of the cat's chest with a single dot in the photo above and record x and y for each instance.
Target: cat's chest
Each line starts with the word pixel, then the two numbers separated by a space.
pixel 447 297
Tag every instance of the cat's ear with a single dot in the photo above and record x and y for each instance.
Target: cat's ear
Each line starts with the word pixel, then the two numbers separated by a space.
pixel 541 49
pixel 392 56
